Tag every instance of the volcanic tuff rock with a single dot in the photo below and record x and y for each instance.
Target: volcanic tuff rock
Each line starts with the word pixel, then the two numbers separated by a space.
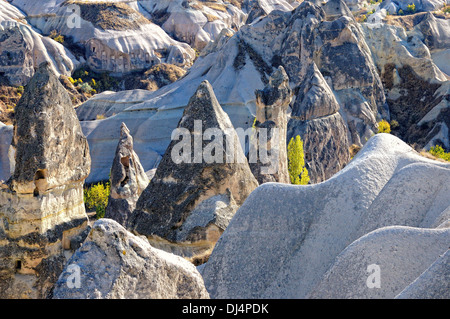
pixel 315 117
pixel 271 106
pixel 432 283
pixel 402 253
pixel 22 49
pixel 128 179
pixel 191 200
pixel 243 63
pixel 115 264
pixel 389 207
pixel 42 210
pixel 199 22
pixel 117 36
pixel 417 89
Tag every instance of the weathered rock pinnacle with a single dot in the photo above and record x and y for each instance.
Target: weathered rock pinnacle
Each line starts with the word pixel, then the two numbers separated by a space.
pixel 271 105
pixel 315 117
pixel 42 214
pixel 128 179
pixel 192 201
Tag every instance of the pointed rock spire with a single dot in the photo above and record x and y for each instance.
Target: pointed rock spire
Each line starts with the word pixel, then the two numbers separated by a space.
pixel 197 186
pixel 270 129
pixel 48 144
pixel 128 179
pixel 314 99
pixel 42 212
pixel 315 117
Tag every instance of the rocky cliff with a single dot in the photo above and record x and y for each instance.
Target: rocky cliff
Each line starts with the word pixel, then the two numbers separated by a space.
pixel 117 37
pixel 410 62
pixel 244 62
pixel 23 49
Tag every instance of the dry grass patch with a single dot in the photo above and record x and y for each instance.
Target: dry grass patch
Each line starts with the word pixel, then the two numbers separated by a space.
pixel 215 6
pixel 9 97
pixel 210 17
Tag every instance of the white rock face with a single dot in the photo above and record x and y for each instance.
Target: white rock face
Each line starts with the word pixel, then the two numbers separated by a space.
pixel 120 39
pixel 312 234
pixel 198 23
pixel 115 264
pixel 390 44
pixel 432 284
pixel 22 49
pixel 401 253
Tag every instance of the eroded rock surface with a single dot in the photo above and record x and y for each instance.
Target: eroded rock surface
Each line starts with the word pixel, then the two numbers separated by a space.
pixel 271 118
pixel 315 117
pixel 23 49
pixel 173 207
pixel 238 65
pixel 41 205
pixel 115 264
pixel 389 207
pixel 417 89
pixel 128 179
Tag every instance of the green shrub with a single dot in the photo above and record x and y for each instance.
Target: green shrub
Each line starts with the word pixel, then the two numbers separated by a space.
pixel 439 152
pixel 384 127
pixel 411 8
pixel 57 37
pixel 85 87
pixel 96 198
pixel 298 173
pixel 98 81
pixel 394 124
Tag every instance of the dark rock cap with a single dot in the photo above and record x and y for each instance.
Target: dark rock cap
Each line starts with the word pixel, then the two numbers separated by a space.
pixel 49 146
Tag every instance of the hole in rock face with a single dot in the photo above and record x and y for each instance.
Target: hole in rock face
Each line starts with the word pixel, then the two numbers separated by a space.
pixel 40 182
pixel 40 174
pixel 308 156
pixel 125 161
pixel 18 264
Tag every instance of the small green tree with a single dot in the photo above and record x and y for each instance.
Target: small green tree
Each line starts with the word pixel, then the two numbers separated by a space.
pixel 439 152
pixel 298 173
pixel 384 127
pixel 96 197
pixel 411 8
